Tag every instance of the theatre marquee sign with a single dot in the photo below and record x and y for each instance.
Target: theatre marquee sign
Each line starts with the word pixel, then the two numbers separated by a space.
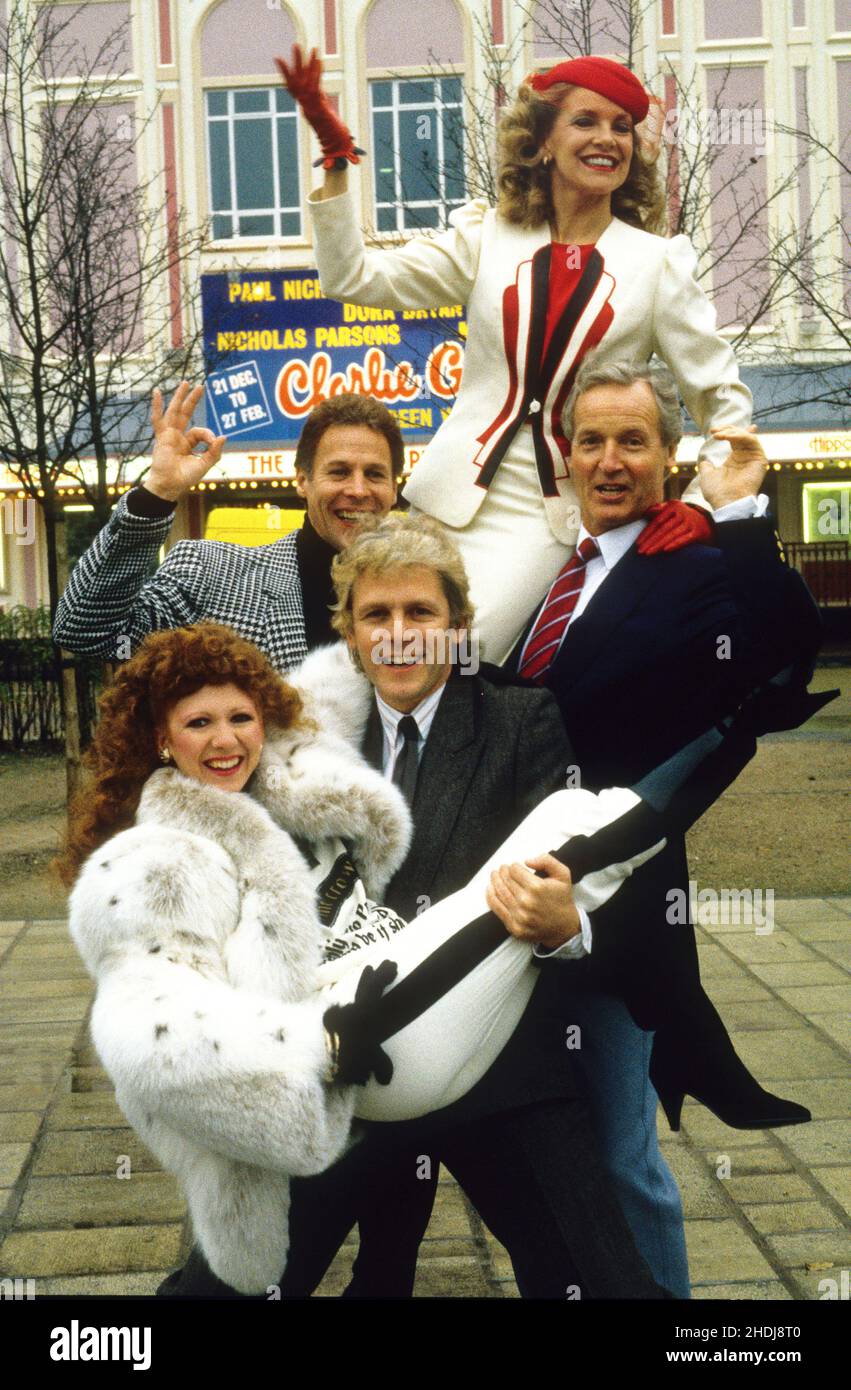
pixel 275 347
pixel 785 446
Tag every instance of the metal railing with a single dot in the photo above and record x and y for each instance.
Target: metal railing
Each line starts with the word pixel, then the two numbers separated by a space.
pixel 826 567
pixel 31 713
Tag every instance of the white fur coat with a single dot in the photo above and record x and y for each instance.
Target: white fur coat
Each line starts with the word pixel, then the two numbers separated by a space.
pixel 199 926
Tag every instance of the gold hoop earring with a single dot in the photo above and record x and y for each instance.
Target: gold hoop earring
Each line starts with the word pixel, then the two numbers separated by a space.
pixel 547 161
pixel 165 755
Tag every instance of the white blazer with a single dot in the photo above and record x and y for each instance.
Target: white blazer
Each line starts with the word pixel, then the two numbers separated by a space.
pixel 637 296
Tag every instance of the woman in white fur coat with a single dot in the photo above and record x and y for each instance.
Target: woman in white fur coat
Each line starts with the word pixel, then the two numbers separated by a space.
pixel 209 889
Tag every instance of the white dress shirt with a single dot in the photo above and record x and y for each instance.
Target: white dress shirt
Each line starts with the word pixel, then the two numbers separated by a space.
pixel 391 718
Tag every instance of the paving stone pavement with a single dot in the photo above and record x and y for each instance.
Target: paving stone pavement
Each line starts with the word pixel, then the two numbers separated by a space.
pixel 84 1207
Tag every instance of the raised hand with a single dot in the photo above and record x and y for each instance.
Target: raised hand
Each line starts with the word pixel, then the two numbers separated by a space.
pixel 303 81
pixel 741 473
pixel 175 467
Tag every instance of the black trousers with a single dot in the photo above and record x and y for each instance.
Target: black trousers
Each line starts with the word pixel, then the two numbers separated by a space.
pixel 534 1175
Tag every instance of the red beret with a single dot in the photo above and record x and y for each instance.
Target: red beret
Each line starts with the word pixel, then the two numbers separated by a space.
pixel 601 75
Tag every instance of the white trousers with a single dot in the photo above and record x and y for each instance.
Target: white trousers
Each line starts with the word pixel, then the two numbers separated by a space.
pixel 510 553
pixel 443 1053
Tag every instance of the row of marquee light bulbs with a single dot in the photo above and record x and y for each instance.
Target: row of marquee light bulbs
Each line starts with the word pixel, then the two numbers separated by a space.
pixel 810 465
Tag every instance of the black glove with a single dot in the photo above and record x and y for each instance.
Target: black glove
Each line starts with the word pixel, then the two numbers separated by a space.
pixel 357 1051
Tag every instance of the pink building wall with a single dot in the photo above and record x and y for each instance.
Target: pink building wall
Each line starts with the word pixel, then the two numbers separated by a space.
pixel 87 31
pixel 553 40
pixel 805 201
pixel 399 34
pixel 164 30
pixel 742 277
pixel 243 41
pixel 329 20
pixel 843 95
pixel 733 19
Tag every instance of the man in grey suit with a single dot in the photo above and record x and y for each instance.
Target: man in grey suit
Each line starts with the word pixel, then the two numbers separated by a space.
pixel 473 760
pixel 348 459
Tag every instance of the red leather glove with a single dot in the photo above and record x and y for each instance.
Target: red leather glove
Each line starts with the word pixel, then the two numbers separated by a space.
pixel 303 82
pixel 673 526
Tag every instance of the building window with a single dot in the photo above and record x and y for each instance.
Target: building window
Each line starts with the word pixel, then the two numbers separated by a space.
pixel 418 143
pixel 252 151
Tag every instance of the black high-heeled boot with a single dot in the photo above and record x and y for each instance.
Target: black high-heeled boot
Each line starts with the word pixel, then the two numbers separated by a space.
pixel 763 1111
pixel 714 1074
pixel 700 1060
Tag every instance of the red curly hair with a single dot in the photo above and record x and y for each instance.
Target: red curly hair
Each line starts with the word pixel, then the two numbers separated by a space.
pixel 123 753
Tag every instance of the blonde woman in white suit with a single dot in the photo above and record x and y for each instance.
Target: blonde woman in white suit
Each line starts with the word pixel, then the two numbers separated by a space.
pixel 566 263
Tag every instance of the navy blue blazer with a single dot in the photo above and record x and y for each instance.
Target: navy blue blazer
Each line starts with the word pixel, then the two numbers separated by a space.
pixel 491 755
pixel 671 643
pixel 667 646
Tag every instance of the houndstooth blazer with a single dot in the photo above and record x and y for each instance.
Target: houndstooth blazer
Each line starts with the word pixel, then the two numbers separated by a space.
pixel 116 596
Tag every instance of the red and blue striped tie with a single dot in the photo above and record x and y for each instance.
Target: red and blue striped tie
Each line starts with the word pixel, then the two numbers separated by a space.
pixel 545 638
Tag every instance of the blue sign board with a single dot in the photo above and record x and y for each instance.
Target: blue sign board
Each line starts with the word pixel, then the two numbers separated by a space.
pixel 275 348
pixel 238 399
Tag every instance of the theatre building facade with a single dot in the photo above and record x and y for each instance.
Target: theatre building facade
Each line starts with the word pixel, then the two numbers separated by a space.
pixel 225 144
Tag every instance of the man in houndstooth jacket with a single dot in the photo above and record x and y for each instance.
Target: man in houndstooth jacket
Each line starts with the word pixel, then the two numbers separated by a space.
pixel 347 461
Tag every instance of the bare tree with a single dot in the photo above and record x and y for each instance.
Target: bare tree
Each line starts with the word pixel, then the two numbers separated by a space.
pixel 767 267
pixel 715 197
pixel 576 28
pixel 92 279
pixel 89 267
pixel 817 265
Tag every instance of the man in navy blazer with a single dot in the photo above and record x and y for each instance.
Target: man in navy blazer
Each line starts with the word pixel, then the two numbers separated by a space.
pixel 659 645
pixel 646 651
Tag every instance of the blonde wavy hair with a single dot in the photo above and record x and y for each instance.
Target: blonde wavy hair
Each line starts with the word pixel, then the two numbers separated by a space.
pixel 400 541
pixel 524 181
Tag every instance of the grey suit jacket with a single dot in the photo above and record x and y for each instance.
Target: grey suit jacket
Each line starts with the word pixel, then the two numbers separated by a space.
pixel 491 755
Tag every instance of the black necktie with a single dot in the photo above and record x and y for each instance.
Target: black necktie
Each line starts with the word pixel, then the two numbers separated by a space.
pixel 407 762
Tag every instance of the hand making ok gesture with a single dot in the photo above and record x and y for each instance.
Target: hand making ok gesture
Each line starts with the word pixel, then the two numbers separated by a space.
pixel 175 467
